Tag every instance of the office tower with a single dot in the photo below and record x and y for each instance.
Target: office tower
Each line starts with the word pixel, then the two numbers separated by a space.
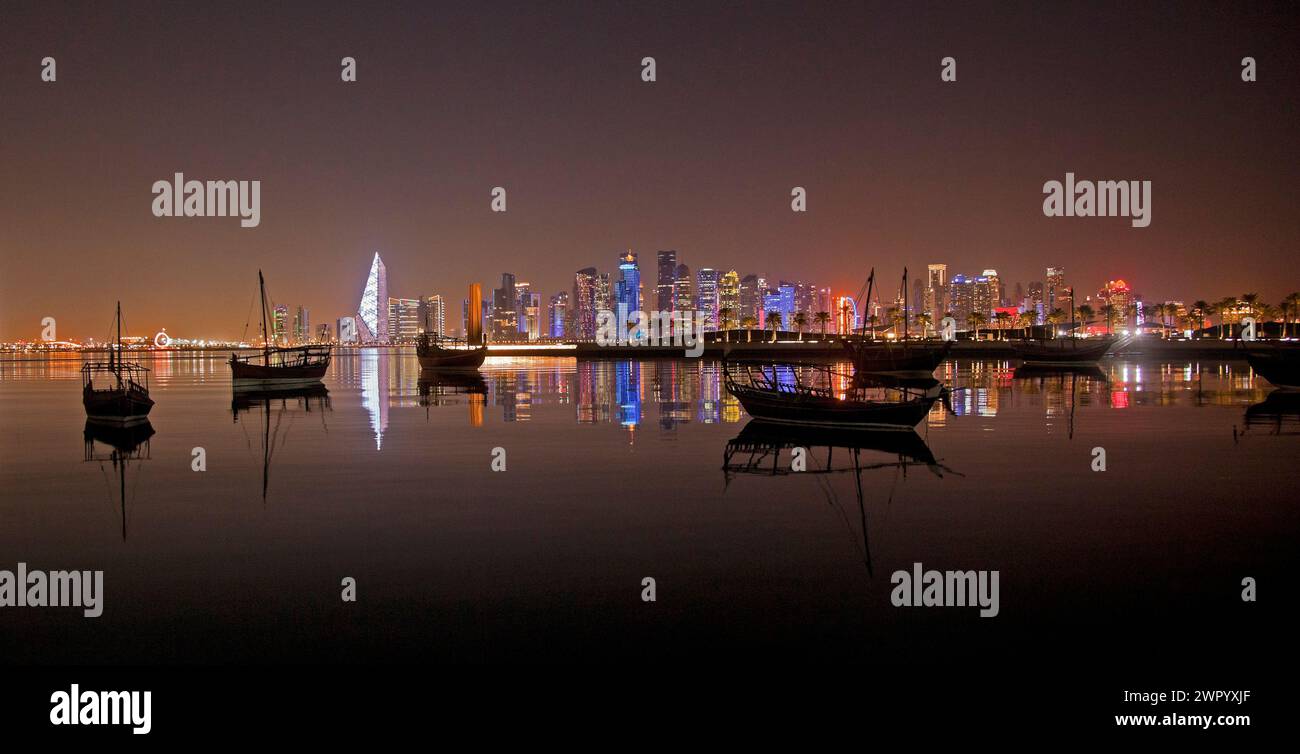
pixel 505 310
pixel 667 266
pixel 347 329
pixel 934 299
pixel 729 298
pixel 475 314
pixel 523 298
pixel 628 289
pixel 1056 294
pixel 683 299
pixel 557 315
pixel 916 304
pixel 1036 303
pixel 301 324
pixel 993 292
pixel 706 296
pixel 433 315
pixel 604 293
pixel 403 320
pixel 584 308
pixel 1117 294
pixel 372 318
pixel 531 315
pixel 751 298
pixel 279 325
pixel 961 299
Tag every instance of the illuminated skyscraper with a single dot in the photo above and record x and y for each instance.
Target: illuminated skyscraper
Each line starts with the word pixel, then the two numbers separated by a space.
pixel 403 320
pixel 505 310
pixel 557 315
pixel 627 291
pixel 706 296
pixel 1056 293
pixel 433 315
pixel 372 316
pixel 683 301
pixel 751 298
pixel 584 308
pixel 729 298
pixel 280 324
pixel 667 268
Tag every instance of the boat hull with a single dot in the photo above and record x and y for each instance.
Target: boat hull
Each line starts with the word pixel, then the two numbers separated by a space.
pixel 829 412
pixel 1280 366
pixel 449 358
pixel 898 359
pixel 1063 352
pixel 257 376
pixel 119 408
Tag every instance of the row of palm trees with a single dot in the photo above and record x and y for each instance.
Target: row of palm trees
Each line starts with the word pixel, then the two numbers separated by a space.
pixel 1229 310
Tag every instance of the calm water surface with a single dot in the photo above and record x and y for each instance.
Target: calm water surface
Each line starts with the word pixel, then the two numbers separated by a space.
pixel 615 472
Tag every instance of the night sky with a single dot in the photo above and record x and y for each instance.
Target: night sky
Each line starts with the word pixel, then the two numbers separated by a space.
pixel 547 100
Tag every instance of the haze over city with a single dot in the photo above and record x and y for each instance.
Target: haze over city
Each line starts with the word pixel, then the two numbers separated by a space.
pixel 749 102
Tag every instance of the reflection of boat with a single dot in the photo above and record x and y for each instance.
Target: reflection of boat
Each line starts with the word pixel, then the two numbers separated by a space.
pixel 908 358
pixel 279 367
pixel 305 397
pixel 1034 371
pixel 1278 409
pixel 435 352
pixel 127 443
pixel 434 384
pixel 1279 365
pixel 765 449
pixel 779 393
pixel 113 391
pixel 1063 351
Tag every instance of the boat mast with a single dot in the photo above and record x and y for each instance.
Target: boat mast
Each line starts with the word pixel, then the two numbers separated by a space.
pixel 905 304
pixel 1072 327
pixel 114 357
pixel 266 334
pixel 866 319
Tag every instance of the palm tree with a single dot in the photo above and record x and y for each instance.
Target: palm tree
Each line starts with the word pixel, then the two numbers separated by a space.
pixel 1054 318
pixel 774 322
pixel 1227 312
pixel 823 319
pixel 1202 309
pixel 800 321
pixel 1290 308
pixel 1026 320
pixel 1108 311
pixel 1251 300
pixel 924 320
pixel 749 323
pixel 1085 315
pixel 724 314
pixel 1002 318
pixel 975 319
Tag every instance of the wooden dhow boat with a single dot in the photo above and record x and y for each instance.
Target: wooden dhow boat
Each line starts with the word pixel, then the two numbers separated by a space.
pixel 115 392
pixel 819 396
pixel 276 367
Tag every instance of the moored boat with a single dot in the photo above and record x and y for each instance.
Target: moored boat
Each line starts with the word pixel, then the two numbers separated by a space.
pixel 905 359
pixel 1278 364
pixel 277 367
pixel 436 352
pixel 1063 351
pixel 115 392
pixel 781 394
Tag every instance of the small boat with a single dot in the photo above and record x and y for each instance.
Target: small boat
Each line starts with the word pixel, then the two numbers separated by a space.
pixel 1280 410
pixel 437 352
pixel 781 394
pixel 905 359
pixel 114 392
pixel 1279 365
pixel 278 367
pixel 1063 351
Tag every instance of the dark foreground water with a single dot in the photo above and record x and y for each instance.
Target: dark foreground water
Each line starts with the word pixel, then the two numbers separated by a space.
pixel 614 473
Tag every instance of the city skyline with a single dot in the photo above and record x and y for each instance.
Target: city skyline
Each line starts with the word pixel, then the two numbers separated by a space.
pixel 899 167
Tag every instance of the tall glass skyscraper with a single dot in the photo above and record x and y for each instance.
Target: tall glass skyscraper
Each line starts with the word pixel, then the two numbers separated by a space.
pixel 627 290
pixel 706 296
pixel 667 266
pixel 583 304
pixel 372 314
